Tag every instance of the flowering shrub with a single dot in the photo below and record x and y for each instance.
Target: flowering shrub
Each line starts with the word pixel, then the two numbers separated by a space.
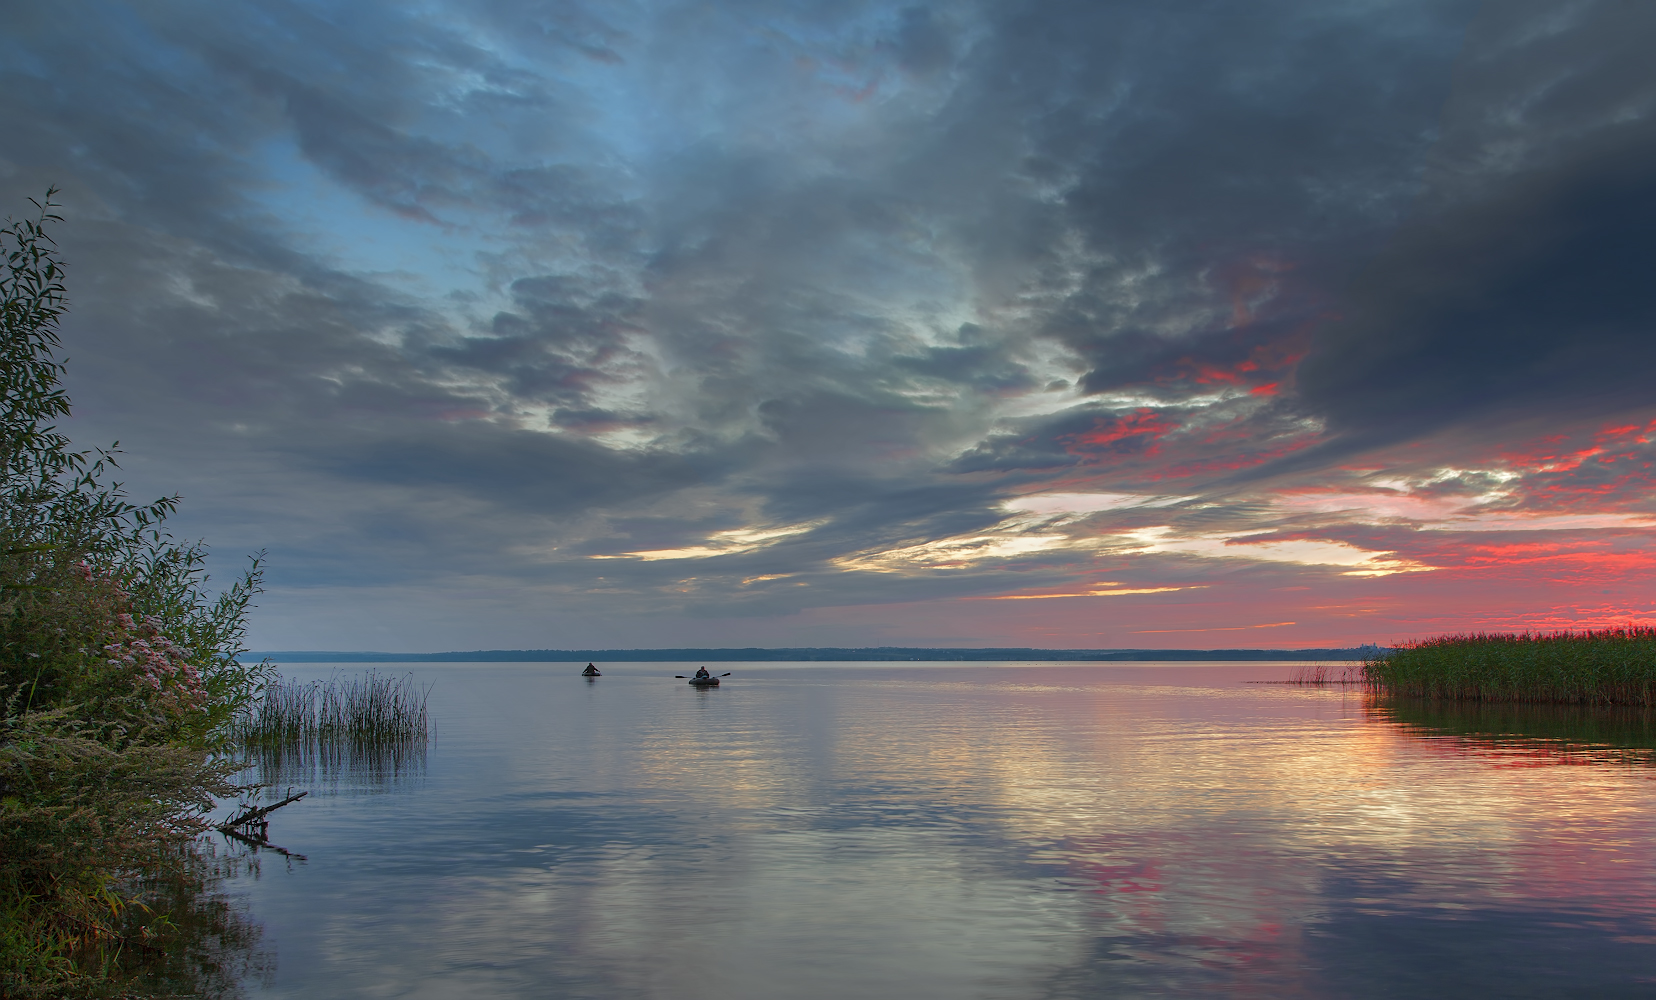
pixel 141 645
pixel 119 674
pixel 157 661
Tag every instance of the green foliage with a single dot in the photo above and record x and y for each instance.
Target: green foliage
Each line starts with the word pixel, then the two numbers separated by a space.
pixel 1604 667
pixel 371 708
pixel 119 672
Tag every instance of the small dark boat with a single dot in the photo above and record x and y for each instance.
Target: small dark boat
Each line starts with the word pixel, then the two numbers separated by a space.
pixel 704 682
pixel 591 671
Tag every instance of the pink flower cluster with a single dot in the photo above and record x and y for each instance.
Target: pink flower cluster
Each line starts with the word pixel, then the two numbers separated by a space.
pixel 159 663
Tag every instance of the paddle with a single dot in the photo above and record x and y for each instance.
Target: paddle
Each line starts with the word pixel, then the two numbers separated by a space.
pixel 684 678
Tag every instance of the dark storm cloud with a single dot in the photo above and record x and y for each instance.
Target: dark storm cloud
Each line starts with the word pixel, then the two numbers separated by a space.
pixel 984 368
pixel 552 347
pixel 161 137
pixel 869 512
pixel 1050 443
pixel 1154 449
pixel 162 113
pixel 528 470
pixel 923 44
pixel 1246 173
pixel 1537 299
pixel 385 103
pixel 495 287
pixel 1522 288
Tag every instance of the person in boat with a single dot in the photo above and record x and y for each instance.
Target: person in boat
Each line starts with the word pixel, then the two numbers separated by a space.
pixel 702 674
pixel 590 671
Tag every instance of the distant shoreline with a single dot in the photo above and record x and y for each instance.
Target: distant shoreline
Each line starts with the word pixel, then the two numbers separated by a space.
pixel 894 654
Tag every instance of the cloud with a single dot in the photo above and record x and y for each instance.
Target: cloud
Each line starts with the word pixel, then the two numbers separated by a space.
pixel 1519 290
pixel 768 312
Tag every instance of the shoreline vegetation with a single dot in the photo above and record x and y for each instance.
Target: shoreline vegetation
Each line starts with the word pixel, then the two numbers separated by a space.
pixel 120 677
pixel 1603 667
pixel 372 708
pixel 372 726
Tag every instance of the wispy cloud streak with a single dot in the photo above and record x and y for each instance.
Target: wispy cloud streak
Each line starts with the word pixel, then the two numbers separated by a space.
pixel 1064 323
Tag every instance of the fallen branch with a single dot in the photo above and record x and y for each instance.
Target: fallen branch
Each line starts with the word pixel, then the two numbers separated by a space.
pixel 252 817
pixel 259 842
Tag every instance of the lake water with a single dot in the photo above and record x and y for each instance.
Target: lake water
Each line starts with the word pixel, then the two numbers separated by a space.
pixel 961 831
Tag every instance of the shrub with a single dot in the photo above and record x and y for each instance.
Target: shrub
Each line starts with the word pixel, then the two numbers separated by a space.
pixel 119 672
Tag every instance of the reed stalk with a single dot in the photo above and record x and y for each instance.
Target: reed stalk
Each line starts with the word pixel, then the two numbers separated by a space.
pixel 372 707
pixel 1319 674
pixel 1615 666
pixel 373 725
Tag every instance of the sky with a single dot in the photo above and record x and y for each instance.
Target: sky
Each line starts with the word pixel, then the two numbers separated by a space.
pixel 1064 324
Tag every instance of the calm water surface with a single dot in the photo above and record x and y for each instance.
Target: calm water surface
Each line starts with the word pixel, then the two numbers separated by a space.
pixel 959 831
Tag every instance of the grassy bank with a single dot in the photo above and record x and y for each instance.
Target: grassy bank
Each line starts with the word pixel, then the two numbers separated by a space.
pixel 1604 667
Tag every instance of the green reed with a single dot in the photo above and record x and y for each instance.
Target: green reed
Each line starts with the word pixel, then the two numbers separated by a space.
pixel 1614 666
pixel 371 727
pixel 323 720
pixel 1318 674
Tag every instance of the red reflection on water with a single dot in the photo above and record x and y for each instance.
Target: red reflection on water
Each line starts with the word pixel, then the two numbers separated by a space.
pixel 1108 876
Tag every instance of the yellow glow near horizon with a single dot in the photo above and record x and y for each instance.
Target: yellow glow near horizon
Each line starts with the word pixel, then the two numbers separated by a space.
pixel 1107 591
pixel 1305 552
pixel 721 543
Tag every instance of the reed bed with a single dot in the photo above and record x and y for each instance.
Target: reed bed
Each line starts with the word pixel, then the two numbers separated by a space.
pixel 374 726
pixel 369 708
pixel 1317 674
pixel 1614 666
pixel 1322 674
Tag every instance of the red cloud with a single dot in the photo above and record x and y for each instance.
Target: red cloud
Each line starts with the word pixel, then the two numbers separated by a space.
pixel 1617 470
pixel 1575 560
pixel 1139 432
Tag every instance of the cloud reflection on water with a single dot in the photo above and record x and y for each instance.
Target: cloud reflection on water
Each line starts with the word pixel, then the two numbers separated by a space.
pixel 961 832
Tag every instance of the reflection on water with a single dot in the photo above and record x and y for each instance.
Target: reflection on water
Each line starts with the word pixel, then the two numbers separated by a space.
pixel 961 831
pixel 328 764
pixel 367 730
pixel 208 947
pixel 1571 733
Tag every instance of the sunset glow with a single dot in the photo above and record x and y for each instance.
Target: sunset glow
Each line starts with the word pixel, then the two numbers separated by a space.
pixel 938 325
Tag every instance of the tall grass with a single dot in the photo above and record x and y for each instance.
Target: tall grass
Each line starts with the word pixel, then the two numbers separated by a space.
pixel 1318 674
pixel 372 707
pixel 1614 666
pixel 372 726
